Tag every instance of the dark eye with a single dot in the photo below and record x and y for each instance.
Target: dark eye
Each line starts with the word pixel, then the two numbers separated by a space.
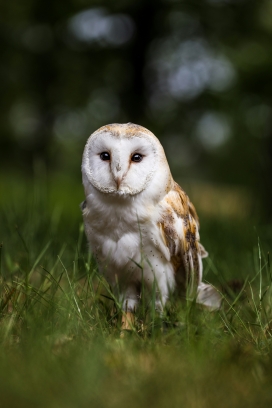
pixel 137 157
pixel 105 156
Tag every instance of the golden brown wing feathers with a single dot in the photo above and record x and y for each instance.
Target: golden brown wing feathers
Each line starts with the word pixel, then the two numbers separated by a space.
pixel 184 246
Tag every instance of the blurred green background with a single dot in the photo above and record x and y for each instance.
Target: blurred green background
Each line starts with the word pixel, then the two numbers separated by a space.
pixel 198 74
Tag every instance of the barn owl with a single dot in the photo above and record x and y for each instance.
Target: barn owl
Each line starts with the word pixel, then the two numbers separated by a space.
pixel 140 224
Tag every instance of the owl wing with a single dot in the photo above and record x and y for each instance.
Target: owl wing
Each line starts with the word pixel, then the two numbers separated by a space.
pixel 179 230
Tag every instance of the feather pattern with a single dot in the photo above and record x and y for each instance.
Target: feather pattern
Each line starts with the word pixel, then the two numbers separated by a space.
pixel 179 227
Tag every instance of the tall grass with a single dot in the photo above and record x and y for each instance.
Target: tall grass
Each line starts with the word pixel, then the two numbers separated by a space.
pixel 60 324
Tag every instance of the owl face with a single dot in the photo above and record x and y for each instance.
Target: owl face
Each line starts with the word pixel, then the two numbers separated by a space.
pixel 121 159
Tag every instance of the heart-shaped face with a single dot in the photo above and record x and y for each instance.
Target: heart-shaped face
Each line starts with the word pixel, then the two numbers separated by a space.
pixel 122 159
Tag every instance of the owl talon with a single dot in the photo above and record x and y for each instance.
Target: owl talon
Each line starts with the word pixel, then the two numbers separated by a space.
pixel 128 322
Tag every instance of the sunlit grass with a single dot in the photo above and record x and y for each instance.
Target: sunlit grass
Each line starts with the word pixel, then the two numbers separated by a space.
pixel 60 325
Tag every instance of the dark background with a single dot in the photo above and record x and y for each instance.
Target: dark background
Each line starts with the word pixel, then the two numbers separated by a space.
pixel 196 73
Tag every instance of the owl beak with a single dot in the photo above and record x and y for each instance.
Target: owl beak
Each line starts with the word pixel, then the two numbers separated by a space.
pixel 117 177
pixel 117 173
pixel 118 182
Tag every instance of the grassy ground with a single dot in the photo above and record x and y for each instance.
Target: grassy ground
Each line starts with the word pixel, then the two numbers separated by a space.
pixel 60 344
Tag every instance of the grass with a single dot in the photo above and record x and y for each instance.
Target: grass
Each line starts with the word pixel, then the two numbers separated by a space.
pixel 60 344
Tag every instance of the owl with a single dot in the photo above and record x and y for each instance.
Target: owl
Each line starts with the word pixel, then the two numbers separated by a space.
pixel 140 224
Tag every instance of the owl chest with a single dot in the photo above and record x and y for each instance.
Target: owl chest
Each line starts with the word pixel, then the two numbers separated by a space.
pixel 114 235
pixel 122 239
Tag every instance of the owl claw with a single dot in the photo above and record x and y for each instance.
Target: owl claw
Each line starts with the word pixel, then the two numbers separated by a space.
pixel 128 323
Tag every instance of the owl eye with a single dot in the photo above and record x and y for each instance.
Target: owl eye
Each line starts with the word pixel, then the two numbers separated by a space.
pixel 105 156
pixel 137 157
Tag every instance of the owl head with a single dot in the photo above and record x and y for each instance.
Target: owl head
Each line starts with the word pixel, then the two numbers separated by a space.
pixel 123 160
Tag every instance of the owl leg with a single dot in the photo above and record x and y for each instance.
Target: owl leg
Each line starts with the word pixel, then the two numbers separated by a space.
pixel 165 287
pixel 160 302
pixel 130 303
pixel 128 321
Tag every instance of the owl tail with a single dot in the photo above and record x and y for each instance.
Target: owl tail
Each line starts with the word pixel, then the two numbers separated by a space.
pixel 208 297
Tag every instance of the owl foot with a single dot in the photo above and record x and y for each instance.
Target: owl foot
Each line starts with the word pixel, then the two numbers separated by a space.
pixel 127 324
